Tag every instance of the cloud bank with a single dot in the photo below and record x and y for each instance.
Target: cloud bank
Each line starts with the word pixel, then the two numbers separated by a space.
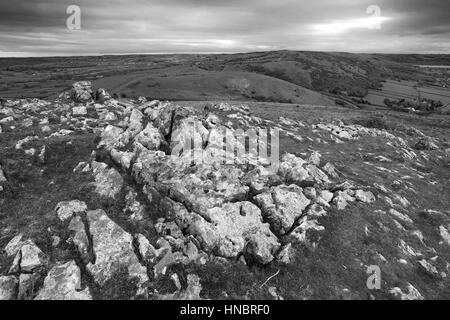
pixel 31 28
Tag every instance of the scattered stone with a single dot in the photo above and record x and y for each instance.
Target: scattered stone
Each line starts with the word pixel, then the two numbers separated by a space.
pixel 82 167
pixel 428 268
pixel 364 196
pixel 400 216
pixel 425 143
pixel 412 293
pixel 445 234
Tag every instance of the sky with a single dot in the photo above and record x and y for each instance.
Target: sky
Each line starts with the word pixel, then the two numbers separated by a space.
pixel 47 28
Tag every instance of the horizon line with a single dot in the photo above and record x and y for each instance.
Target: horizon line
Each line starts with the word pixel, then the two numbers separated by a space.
pixel 214 53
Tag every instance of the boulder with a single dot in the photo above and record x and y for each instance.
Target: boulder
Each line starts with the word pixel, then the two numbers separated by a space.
pixel 66 209
pixel 108 181
pixel 111 138
pixel 364 196
pixel 233 229
pixel 27 285
pixel 282 206
pixel 122 158
pixel 113 250
pixel 29 258
pixel 101 95
pixel 341 199
pixel 81 92
pixel 411 294
pixel 63 282
pixel 324 198
pixel 150 137
pixel 8 287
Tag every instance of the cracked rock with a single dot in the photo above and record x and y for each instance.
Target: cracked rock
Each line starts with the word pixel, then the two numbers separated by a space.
pixel 282 206
pixel 63 282
pixel 113 249
pixel 80 238
pixel 233 228
pixel 29 258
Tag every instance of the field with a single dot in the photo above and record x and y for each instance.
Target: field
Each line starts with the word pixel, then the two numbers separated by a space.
pixel 282 76
pixel 408 90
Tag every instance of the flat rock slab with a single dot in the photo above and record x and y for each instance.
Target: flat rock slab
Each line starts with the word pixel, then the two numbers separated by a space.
pixel 113 250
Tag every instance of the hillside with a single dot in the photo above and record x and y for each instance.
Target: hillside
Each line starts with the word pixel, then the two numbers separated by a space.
pixel 103 198
pixel 281 76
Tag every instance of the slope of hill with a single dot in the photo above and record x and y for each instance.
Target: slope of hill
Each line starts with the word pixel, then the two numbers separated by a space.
pixel 214 85
pixel 337 75
pixel 101 199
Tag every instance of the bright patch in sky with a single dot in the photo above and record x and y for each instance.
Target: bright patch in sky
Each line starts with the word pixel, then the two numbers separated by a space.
pixel 337 27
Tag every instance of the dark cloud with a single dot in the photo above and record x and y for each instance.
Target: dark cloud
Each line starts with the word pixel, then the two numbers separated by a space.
pixel 30 27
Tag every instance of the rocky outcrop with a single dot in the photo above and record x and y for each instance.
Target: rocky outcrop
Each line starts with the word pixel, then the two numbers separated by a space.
pixel 175 177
